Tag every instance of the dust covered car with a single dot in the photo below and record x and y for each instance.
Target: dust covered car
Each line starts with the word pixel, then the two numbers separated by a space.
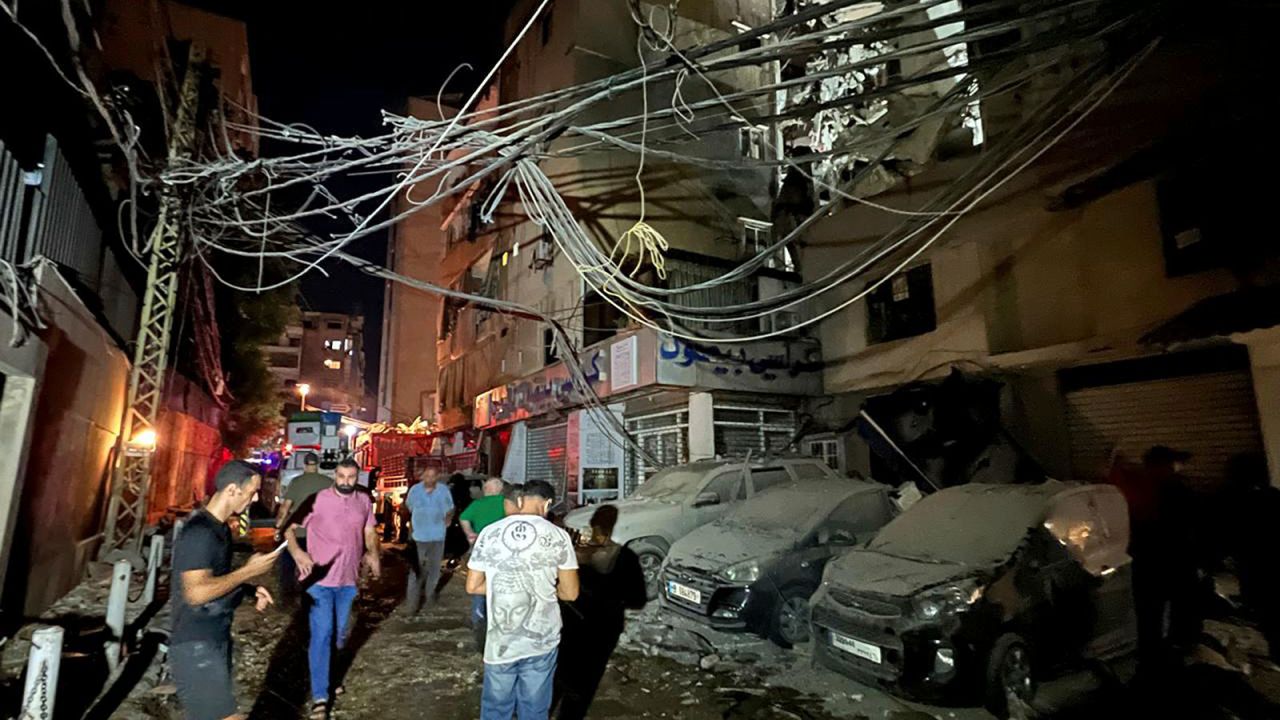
pixel 978 591
pixel 756 567
pixel 678 499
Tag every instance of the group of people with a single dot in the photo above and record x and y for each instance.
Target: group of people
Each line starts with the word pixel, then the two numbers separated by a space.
pixel 547 607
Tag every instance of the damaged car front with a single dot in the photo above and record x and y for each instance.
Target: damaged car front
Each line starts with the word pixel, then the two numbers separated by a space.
pixel 756 568
pixel 972 592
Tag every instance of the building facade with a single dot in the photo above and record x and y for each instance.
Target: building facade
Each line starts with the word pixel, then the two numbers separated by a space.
pixel 1113 287
pixel 499 381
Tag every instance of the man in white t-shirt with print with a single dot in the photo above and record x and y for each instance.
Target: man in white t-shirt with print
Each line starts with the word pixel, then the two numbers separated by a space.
pixel 524 565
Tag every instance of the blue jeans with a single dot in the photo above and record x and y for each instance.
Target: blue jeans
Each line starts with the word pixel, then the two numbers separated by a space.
pixel 330 609
pixel 523 687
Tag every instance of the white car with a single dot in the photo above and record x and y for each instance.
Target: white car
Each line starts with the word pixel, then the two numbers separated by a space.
pixel 675 501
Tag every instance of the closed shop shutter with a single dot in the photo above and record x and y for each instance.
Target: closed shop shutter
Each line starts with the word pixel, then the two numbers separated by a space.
pixel 665 436
pixel 1211 415
pixel 547 454
pixel 760 431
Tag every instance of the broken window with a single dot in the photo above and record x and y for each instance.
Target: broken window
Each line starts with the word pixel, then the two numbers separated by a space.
pixel 902 307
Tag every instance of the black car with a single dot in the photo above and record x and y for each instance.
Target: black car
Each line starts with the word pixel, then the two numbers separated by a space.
pixel 755 568
pixel 977 591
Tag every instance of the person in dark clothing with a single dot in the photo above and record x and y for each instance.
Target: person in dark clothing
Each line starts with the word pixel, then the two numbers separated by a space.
pixel 611 582
pixel 1165 553
pixel 206 592
pixel 1249 507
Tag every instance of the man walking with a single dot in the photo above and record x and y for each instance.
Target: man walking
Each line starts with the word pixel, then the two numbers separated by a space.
pixel 341 532
pixel 522 564
pixel 300 489
pixel 206 592
pixel 612 582
pixel 431 509
pixel 476 517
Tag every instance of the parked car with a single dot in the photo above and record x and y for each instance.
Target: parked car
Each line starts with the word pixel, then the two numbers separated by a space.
pixel 678 499
pixel 978 591
pixel 755 568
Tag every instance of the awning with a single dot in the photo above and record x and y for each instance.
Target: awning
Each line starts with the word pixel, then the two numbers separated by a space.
pixel 1219 317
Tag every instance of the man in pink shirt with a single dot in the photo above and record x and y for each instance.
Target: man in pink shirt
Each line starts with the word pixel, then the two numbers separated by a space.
pixel 340 532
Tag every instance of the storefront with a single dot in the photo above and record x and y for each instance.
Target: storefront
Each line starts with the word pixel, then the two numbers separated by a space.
pixel 676 401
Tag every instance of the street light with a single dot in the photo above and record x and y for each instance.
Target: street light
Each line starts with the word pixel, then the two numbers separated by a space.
pixel 142 443
pixel 303 389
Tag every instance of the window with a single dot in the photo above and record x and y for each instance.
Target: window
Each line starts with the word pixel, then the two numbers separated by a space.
pixel 856 519
pixel 1187 226
pixel 550 351
pixel 826 450
pixel 309 324
pixel 601 320
pixel 333 325
pixel 295 342
pixel 809 471
pixel 902 307
pixel 753 142
pixel 728 486
pixel 282 360
pixel 333 345
pixel 757 235
pixel 333 364
pixel 764 478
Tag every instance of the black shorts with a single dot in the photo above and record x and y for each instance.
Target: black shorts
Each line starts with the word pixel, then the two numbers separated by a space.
pixel 202 672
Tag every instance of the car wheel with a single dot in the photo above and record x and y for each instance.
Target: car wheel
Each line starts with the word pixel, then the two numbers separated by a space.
pixel 651 558
pixel 790 624
pixel 1010 675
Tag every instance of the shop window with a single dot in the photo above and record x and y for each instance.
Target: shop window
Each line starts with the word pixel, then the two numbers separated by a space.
pixel 902 307
pixel 765 478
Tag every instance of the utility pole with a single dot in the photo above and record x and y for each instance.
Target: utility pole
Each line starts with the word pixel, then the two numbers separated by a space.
pixel 131 478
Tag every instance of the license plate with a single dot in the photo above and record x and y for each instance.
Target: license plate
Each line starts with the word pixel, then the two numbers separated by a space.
pixel 866 651
pixel 675 589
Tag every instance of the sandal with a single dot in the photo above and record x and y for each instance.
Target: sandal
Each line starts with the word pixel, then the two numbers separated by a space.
pixel 319 710
pixel 340 691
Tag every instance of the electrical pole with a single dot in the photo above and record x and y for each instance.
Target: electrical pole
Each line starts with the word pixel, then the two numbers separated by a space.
pixel 131 477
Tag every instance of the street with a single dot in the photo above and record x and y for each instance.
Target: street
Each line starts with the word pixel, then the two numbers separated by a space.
pixel 427 667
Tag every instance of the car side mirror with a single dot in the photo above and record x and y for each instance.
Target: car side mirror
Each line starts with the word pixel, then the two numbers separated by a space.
pixel 705 499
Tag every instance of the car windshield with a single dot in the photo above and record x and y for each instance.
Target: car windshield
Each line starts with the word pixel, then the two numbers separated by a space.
pixel 791 509
pixel 971 525
pixel 672 485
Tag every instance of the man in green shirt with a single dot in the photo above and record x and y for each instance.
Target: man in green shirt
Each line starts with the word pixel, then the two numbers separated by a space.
pixel 479 515
pixel 303 487
pixel 485 511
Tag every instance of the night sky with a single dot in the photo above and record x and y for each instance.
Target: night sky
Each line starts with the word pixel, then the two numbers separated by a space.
pixel 334 66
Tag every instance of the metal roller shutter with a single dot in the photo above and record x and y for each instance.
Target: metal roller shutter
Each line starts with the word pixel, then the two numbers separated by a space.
pixel 1212 415
pixel 665 436
pixel 739 430
pixel 547 453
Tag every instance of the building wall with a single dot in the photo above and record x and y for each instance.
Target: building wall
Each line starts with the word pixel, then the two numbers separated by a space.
pixel 77 422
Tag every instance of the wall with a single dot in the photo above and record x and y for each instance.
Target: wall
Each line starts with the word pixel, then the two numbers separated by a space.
pixel 187 441
pixel 78 413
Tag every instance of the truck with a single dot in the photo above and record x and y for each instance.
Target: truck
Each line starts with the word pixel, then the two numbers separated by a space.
pixel 311 432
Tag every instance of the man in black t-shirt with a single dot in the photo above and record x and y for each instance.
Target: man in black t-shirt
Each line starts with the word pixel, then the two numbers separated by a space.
pixel 206 591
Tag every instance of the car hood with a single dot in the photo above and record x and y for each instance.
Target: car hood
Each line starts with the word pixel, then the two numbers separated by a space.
pixel 636 517
pixel 713 547
pixel 874 572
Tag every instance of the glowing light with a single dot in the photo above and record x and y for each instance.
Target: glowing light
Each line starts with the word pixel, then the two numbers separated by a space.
pixel 144 439
pixel 350 430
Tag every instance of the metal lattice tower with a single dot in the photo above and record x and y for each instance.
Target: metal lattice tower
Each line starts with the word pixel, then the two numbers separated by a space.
pixel 131 478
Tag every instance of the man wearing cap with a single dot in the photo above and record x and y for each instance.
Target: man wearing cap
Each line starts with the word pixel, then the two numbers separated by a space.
pixel 206 592
pixel 304 486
